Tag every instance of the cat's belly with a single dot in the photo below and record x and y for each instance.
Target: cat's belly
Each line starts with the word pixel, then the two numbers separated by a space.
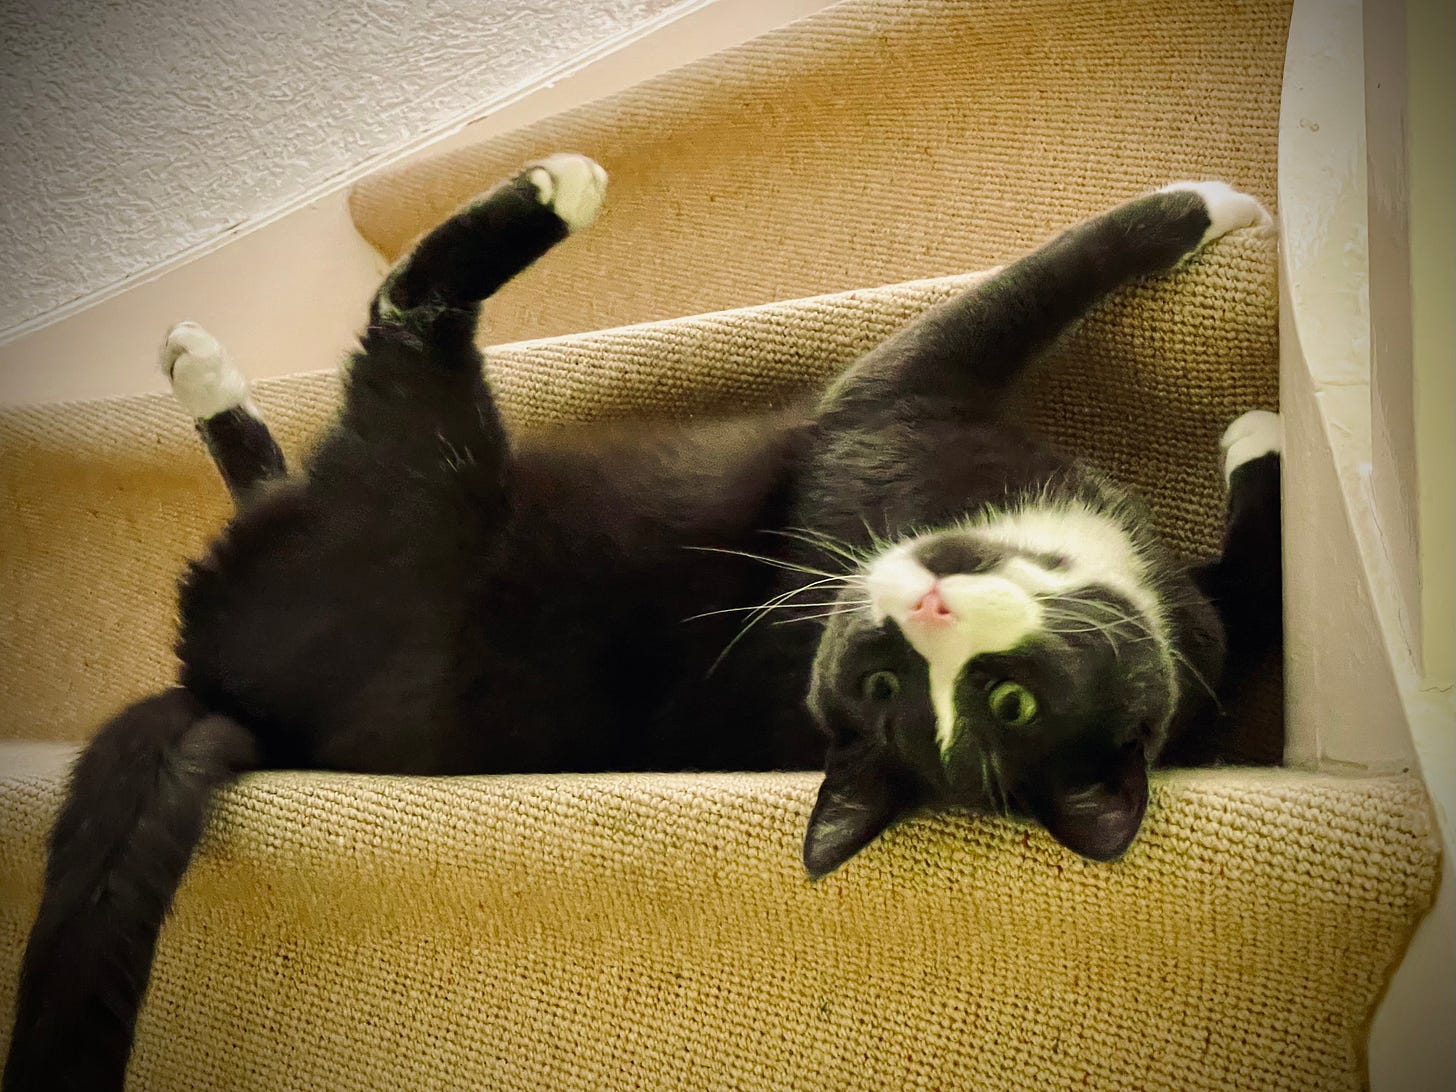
pixel 329 642
pixel 351 639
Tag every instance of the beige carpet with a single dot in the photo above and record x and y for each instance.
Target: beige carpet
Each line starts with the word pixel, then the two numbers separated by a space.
pixel 879 141
pixel 598 932
pixel 656 932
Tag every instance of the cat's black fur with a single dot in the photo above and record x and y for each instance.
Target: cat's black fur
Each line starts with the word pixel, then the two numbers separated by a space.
pixel 434 596
pixel 243 449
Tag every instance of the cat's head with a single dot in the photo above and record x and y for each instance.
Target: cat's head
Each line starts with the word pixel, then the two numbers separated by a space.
pixel 986 668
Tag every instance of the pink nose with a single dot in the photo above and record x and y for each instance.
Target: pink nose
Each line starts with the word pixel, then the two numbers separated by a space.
pixel 931 610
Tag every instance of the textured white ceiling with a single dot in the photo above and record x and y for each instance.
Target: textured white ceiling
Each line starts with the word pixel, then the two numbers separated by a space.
pixel 131 130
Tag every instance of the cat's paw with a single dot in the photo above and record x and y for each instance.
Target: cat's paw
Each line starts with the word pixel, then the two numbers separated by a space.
pixel 203 376
pixel 573 186
pixel 1228 209
pixel 1251 436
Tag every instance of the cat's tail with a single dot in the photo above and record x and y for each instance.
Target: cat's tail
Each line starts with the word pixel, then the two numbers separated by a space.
pixel 134 812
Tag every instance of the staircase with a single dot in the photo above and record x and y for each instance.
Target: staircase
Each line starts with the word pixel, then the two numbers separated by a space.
pixel 799 196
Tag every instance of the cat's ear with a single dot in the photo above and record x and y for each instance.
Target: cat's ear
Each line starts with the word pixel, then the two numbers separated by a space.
pixel 860 796
pixel 1097 819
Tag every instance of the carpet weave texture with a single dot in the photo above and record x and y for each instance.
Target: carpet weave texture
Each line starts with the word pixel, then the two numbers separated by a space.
pixel 656 931
pixel 878 141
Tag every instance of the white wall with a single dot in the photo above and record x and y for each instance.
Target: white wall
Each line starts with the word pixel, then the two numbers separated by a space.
pixel 135 130
pixel 1410 105
pixel 287 293
pixel 1361 695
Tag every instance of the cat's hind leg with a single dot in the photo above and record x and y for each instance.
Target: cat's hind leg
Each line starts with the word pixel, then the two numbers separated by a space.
pixel 211 388
pixel 482 246
pixel 417 407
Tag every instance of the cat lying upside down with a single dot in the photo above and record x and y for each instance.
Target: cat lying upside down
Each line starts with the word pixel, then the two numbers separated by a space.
pixel 980 621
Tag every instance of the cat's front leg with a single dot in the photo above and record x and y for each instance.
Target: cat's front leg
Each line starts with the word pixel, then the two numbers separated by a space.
pixel 971 349
pixel 1245 582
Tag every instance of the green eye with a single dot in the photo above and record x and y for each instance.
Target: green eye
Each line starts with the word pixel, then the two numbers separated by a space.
pixel 1011 703
pixel 880 685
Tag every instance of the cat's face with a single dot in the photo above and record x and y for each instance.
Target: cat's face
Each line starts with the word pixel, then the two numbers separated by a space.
pixel 981 668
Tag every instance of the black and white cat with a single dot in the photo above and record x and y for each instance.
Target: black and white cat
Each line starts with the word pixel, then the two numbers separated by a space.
pixel 978 621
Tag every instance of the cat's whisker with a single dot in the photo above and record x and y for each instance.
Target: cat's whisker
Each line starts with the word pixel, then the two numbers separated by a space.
pixel 776 562
pixel 1172 652
pixel 1062 630
pixel 783 601
pixel 752 621
pixel 455 461
pixel 1122 618
pixel 1198 677
pixel 880 544
pixel 826 614
pixel 1098 628
pixel 848 605
pixel 1091 626
pixel 1116 614
pixel 999 776
pixel 1114 622
pixel 1117 617
pixel 825 542
pixel 776 602
pixel 991 783
pixel 762 612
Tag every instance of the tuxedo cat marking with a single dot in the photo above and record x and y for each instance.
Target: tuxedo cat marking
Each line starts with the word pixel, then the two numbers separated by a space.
pixel 1054 642
pixel 1012 636
pixel 211 388
pixel 978 621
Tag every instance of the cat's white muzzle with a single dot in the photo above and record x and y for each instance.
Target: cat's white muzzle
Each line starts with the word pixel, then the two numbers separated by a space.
pixel 949 621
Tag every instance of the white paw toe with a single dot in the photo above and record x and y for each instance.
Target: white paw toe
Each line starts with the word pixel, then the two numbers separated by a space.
pixel 1252 435
pixel 572 185
pixel 204 379
pixel 1228 209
